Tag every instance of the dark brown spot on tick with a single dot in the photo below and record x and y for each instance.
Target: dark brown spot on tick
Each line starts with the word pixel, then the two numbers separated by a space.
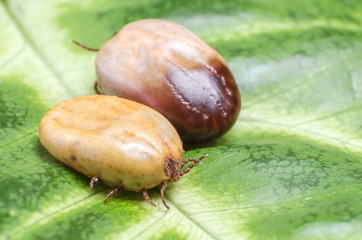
pixel 73 158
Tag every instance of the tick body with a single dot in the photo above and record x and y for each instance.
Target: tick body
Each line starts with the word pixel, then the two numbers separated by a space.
pixel 167 67
pixel 122 143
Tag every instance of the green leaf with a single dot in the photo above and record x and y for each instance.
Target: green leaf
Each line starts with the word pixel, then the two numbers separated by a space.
pixel 291 167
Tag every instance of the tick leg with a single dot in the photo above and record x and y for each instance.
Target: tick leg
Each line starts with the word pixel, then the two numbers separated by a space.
pixel 164 185
pixel 91 183
pixel 194 162
pixel 145 195
pixel 96 88
pixel 114 191
pixel 186 161
pixel 85 47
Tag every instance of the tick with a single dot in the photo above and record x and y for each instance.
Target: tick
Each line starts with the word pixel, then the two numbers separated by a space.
pixel 165 66
pixel 124 144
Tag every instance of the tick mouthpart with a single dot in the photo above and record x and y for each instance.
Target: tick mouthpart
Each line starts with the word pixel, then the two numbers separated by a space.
pixel 171 168
pixel 175 176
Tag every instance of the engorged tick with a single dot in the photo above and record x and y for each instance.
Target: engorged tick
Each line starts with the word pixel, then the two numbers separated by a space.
pixel 122 143
pixel 165 66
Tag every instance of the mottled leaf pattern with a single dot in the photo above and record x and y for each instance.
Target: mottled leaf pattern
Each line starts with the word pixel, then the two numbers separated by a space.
pixel 290 168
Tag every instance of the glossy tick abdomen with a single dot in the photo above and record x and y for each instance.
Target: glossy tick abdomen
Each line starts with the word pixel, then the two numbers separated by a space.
pixel 123 143
pixel 165 66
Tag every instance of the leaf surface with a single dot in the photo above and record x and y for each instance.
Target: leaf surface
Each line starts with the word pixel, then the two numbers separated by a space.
pixel 290 168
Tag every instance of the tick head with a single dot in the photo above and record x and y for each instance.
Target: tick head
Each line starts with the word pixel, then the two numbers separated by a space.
pixel 171 168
